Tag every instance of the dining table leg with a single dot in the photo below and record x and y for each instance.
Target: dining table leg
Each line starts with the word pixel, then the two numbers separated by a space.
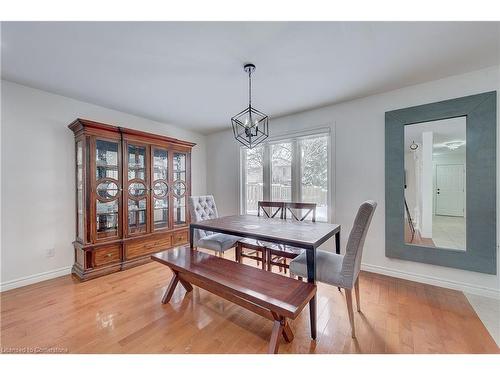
pixel 311 278
pixel 337 247
pixel 337 242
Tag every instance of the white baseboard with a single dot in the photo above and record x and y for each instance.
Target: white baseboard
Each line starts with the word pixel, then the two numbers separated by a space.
pixel 424 279
pixel 32 279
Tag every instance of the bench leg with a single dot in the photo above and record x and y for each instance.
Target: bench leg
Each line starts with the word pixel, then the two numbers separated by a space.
pixel 186 285
pixel 274 342
pixel 287 332
pixel 170 289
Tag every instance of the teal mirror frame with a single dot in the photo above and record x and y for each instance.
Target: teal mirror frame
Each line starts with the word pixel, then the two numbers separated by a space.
pixel 481 118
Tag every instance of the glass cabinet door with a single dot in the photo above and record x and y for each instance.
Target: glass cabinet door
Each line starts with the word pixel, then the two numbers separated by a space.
pixel 80 226
pixel 179 189
pixel 160 189
pixel 107 188
pixel 137 190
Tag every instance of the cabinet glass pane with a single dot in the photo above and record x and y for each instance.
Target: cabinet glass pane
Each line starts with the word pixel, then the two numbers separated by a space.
pixel 136 162
pixel 79 189
pixel 179 188
pixel 106 159
pixel 160 188
pixel 179 166
pixel 137 215
pixel 107 218
pixel 160 164
pixel 137 189
pixel 160 213
pixel 107 190
pixel 180 210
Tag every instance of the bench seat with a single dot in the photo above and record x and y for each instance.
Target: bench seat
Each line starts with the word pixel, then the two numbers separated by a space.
pixel 273 296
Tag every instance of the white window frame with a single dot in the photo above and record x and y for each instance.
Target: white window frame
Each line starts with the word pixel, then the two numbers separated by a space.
pixel 296 185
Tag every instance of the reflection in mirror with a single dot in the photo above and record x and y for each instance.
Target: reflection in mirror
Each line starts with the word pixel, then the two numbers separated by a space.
pixel 435 183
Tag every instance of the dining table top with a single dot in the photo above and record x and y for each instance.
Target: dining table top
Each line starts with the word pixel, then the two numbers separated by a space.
pixel 304 234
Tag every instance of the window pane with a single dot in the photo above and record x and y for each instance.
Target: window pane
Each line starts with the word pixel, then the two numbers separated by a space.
pixel 254 178
pixel 281 172
pixel 314 174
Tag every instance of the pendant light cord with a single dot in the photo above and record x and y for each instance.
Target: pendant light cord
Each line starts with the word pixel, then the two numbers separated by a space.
pixel 249 87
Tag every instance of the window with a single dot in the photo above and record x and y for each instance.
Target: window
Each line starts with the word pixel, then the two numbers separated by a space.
pixel 253 162
pixel 281 172
pixel 290 170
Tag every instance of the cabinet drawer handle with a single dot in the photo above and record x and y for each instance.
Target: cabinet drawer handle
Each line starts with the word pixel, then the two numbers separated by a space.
pixel 109 255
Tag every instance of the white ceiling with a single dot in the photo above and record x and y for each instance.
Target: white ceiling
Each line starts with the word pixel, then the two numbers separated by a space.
pixel 447 130
pixel 190 73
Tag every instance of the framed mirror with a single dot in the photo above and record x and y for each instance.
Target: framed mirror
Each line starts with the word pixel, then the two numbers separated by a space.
pixel 441 183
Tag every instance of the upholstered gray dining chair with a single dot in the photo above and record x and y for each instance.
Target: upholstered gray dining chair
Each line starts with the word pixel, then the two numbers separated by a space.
pixel 203 208
pixel 342 270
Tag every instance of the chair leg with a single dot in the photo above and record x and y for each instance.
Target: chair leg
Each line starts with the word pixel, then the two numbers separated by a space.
pixel 356 290
pixel 237 253
pixel 348 298
pixel 264 261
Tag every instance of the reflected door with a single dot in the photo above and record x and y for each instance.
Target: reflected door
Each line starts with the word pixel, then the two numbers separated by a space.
pixel 179 187
pixel 106 189
pixel 137 192
pixel 160 189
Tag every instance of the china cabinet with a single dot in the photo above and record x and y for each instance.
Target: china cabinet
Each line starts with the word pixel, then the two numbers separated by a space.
pixel 131 194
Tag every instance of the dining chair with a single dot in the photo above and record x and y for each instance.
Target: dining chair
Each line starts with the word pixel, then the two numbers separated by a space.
pixel 257 248
pixel 203 208
pixel 342 270
pixel 277 254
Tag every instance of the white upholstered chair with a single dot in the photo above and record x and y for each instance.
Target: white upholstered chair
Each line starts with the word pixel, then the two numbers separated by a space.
pixel 203 208
pixel 342 270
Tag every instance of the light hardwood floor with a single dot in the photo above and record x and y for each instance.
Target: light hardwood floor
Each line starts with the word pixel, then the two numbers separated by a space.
pixel 122 313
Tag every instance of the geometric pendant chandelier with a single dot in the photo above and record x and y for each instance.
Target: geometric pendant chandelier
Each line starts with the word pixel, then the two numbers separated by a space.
pixel 250 126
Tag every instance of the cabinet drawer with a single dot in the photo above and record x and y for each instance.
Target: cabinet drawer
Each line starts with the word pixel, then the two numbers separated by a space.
pixel 106 255
pixel 180 237
pixel 143 247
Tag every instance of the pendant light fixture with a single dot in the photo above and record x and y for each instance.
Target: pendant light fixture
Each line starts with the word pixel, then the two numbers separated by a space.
pixel 250 126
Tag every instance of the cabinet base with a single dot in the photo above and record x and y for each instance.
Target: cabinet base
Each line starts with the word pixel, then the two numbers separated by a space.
pixel 92 273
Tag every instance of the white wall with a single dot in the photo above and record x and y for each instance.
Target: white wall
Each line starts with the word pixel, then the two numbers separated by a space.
pixel 427 190
pixel 358 142
pixel 38 189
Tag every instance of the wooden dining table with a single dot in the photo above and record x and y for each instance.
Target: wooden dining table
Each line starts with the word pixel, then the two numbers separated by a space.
pixel 306 235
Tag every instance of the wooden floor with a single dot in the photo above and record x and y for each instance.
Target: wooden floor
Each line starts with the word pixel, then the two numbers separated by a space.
pixel 122 313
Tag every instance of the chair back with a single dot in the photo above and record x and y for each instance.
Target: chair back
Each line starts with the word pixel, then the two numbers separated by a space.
pixel 202 208
pixel 354 249
pixel 271 209
pixel 296 211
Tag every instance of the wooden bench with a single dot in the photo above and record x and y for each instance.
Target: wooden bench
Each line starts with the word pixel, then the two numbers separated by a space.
pixel 272 296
